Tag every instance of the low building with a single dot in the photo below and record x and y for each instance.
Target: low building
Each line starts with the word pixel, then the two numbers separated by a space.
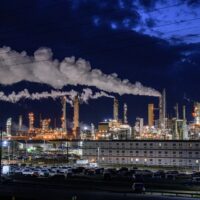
pixel 170 153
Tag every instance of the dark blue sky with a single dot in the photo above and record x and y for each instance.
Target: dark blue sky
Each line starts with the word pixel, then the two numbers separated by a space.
pixel 154 42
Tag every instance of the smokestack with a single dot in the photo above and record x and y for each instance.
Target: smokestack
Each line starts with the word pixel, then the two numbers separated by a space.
pixel 160 112
pixel 116 109
pixel 31 121
pixel 20 123
pixel 125 114
pixel 150 115
pixel 76 118
pixel 177 111
pixel 184 113
pixel 9 126
pixel 162 109
pixel 64 119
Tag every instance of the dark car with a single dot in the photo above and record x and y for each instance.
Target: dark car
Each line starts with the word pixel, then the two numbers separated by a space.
pixel 138 188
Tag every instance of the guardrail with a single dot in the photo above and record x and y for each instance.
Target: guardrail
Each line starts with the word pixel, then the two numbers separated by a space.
pixel 194 194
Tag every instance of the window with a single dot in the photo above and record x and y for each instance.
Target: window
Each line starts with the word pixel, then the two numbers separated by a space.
pixel 123 151
pixel 174 152
pixel 151 144
pixel 110 151
pixel 174 144
pixel 136 144
pixel 151 151
pixel 196 145
pixel 137 152
pixel 145 152
pixel 145 144
pixel 197 153
pixel 159 152
pixel 190 152
pixel 180 152
pixel 166 152
pixel 131 151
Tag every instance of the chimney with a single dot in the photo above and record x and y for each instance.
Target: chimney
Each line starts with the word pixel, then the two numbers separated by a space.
pixel 125 114
pixel 31 121
pixel 162 109
pixel 76 130
pixel 20 123
pixel 184 113
pixel 64 119
pixel 150 115
pixel 116 109
pixel 177 111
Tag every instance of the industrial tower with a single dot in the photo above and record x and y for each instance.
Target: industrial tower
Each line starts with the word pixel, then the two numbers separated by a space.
pixel 64 118
pixel 76 129
pixel 116 110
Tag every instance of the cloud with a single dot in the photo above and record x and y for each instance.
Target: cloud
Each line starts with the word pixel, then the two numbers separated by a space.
pixel 41 68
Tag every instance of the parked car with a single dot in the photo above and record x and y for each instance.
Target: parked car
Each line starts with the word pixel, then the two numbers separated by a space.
pixel 27 172
pixel 138 188
pixel 43 172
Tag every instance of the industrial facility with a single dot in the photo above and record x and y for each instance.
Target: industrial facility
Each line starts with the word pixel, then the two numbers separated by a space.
pixel 163 128
pixel 162 141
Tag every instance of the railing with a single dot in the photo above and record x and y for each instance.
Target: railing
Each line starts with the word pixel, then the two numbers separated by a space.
pixel 194 194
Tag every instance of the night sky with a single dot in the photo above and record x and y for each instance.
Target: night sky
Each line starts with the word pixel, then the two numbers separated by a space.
pixel 154 42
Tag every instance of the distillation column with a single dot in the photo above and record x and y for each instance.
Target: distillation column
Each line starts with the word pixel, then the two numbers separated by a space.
pixel 64 118
pixel 125 114
pixel 76 129
pixel 116 110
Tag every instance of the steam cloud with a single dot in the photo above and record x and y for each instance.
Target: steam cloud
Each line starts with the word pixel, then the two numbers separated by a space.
pixel 41 68
pixel 24 94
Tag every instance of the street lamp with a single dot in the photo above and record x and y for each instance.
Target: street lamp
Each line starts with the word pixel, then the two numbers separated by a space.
pixel 98 154
pixel 197 162
pixel 1 138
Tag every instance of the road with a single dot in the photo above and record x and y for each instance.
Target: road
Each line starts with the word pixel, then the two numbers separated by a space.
pixel 29 191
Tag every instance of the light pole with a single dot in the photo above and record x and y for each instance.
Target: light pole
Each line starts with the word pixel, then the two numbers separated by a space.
pixel 1 138
pixel 98 152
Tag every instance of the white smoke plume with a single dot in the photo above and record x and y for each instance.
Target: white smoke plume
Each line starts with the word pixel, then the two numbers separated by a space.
pixel 41 68
pixel 25 94
pixel 88 94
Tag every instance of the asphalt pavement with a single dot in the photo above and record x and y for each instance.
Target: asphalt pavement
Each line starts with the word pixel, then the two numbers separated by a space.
pixel 48 192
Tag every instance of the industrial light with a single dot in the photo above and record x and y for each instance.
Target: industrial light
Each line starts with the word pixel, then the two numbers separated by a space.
pixel 5 143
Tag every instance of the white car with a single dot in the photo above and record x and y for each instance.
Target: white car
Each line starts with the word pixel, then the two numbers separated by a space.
pixel 43 172
pixel 65 170
pixel 27 172
pixel 52 173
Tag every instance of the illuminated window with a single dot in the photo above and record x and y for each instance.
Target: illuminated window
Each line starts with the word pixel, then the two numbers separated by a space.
pixel 137 159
